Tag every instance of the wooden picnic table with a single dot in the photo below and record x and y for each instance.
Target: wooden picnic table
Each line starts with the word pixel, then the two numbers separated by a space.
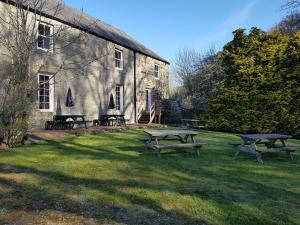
pixel 66 122
pixel 258 144
pixel 185 137
pixel 110 120
pixel 192 123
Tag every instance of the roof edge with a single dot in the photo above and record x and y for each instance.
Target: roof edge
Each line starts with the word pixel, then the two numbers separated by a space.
pixel 11 2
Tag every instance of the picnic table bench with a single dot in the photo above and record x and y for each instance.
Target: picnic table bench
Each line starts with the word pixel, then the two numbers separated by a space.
pixel 65 122
pixel 110 120
pixel 191 123
pixel 183 136
pixel 258 144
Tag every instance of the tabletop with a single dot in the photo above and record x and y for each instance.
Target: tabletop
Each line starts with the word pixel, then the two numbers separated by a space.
pixel 162 133
pixel 264 136
pixel 190 120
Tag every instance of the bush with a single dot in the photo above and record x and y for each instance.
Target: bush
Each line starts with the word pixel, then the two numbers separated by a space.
pixel 262 90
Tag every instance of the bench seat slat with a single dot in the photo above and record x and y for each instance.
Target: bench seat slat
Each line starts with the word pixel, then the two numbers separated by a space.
pixel 186 145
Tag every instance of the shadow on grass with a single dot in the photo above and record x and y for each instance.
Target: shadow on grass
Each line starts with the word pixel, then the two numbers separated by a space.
pixel 228 185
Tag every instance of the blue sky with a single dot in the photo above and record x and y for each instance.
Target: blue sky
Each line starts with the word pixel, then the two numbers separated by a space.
pixel 167 25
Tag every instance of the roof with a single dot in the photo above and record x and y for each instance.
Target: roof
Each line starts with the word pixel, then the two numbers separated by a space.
pixel 61 12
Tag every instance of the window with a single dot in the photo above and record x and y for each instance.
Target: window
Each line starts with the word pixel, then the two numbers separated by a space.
pixel 118 59
pixel 156 71
pixel 45 37
pixel 120 98
pixel 45 93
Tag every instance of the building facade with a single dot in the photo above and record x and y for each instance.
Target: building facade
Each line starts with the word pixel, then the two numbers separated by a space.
pixel 105 61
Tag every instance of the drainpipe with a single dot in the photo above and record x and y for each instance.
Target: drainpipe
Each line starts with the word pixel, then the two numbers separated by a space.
pixel 134 95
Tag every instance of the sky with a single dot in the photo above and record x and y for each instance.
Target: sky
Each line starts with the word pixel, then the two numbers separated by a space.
pixel 165 26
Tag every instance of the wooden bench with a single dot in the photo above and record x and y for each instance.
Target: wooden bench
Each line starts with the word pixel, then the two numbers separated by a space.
pixel 196 146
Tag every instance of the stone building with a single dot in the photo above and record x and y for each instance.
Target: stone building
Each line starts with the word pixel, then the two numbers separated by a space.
pixel 135 76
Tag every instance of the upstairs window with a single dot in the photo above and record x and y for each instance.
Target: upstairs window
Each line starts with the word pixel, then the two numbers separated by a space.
pixel 45 37
pixel 157 71
pixel 118 59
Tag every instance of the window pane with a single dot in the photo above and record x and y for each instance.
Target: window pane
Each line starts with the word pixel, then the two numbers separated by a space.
pixel 47 31
pixel 40 42
pixel 42 106
pixel 47 106
pixel 41 29
pixel 41 99
pixel 118 54
pixel 47 43
pixel 118 63
pixel 42 91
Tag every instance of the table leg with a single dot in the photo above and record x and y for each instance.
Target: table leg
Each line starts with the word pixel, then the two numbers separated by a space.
pixel 259 157
pixel 197 150
pixel 289 155
pixel 157 150
pixel 237 152
pixel 257 153
pixel 182 140
pixel 83 119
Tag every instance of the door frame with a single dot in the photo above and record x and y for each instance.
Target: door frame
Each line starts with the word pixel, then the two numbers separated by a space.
pixel 148 99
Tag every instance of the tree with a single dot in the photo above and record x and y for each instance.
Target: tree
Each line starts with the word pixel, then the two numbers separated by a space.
pixel 290 24
pixel 18 46
pixel 207 82
pixel 201 76
pixel 185 64
pixel 291 5
pixel 257 95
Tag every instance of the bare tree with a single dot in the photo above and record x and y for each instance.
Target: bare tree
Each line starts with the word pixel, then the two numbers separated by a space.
pixel 186 62
pixel 291 5
pixel 21 60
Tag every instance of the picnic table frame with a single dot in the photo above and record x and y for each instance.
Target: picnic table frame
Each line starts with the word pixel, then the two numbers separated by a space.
pixel 252 144
pixel 110 120
pixel 185 137
pixel 65 122
pixel 191 123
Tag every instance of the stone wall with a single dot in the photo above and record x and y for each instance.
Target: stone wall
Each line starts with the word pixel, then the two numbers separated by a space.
pixel 92 81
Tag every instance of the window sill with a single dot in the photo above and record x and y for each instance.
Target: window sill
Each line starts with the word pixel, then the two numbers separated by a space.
pixel 43 50
pixel 46 111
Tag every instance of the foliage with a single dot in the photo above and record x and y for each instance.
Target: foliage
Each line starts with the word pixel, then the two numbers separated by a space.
pixel 113 179
pixel 290 24
pixel 200 76
pixel 207 82
pixel 260 89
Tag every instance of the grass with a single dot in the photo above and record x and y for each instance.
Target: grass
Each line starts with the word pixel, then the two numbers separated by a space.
pixel 113 179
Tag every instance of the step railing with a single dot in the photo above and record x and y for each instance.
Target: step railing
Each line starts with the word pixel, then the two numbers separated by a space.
pixel 152 113
pixel 140 112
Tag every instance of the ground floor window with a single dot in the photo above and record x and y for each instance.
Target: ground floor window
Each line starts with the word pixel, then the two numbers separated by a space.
pixel 120 98
pixel 45 92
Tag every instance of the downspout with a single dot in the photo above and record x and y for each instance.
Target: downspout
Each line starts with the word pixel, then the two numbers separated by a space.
pixel 134 83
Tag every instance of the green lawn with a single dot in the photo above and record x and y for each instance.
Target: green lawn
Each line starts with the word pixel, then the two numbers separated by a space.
pixel 113 179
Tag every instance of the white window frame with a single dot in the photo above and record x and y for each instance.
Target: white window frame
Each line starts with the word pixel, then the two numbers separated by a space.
pixel 157 72
pixel 121 60
pixel 51 37
pixel 120 99
pixel 51 93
